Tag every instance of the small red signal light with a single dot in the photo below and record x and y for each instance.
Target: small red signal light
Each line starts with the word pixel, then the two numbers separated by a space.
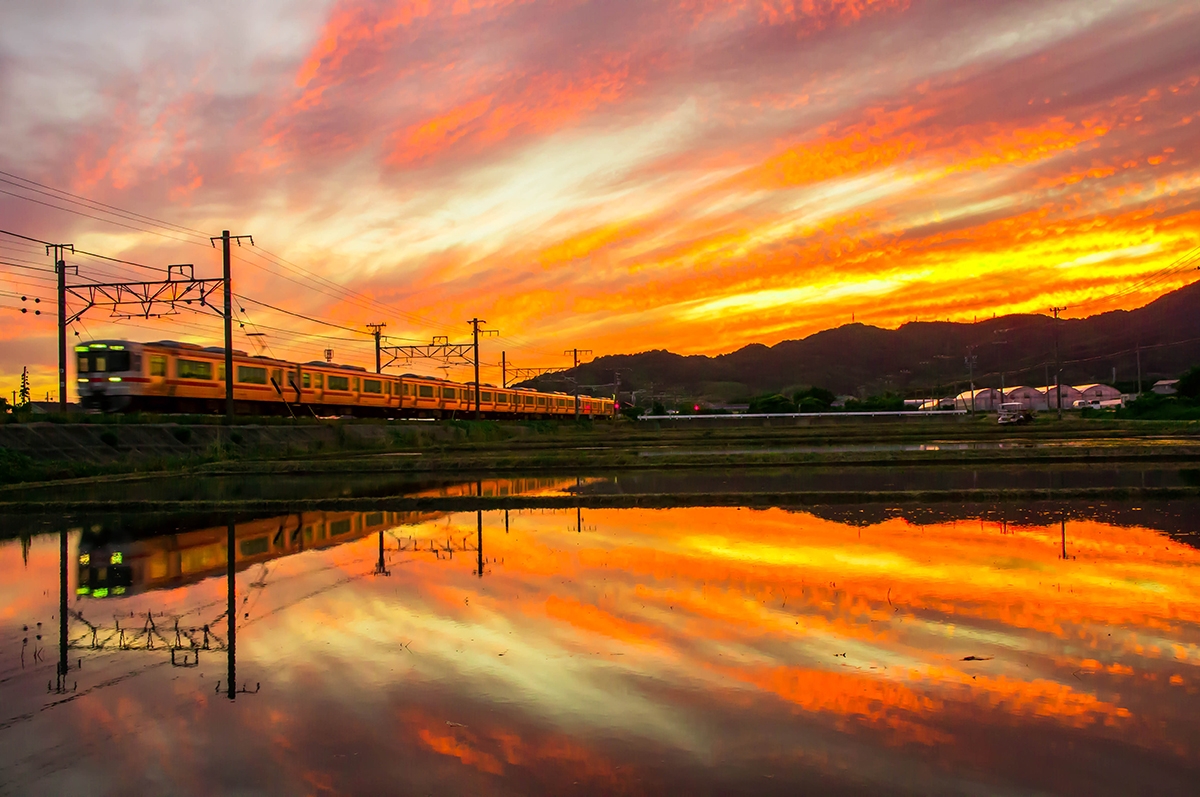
pixel 696 408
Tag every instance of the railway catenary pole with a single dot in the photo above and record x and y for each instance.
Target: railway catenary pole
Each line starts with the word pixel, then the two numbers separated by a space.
pixel 1057 362
pixel 228 295
pixel 575 356
pixel 503 369
pixel 60 268
pixel 475 322
pixel 377 329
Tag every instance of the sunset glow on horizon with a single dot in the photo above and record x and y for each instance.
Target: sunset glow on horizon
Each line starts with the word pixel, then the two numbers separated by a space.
pixel 692 175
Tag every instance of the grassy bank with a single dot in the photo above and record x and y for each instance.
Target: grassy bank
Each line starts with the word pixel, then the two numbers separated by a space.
pixel 53 452
pixel 605 501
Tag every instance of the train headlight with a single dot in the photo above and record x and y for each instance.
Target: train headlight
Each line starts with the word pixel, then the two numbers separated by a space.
pixel 116 558
pixel 114 379
pixel 85 558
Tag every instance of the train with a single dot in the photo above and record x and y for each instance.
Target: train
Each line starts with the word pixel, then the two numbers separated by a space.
pixel 172 377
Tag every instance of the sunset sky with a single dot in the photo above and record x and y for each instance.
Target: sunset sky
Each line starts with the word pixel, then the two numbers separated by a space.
pixel 619 176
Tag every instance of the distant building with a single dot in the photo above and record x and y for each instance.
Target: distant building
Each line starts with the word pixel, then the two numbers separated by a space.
pixel 987 399
pixel 1030 398
pixel 1097 393
pixel 1166 387
pixel 45 407
pixel 1069 396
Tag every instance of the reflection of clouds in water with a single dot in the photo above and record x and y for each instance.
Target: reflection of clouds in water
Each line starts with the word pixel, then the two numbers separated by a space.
pixel 721 636
pixel 598 630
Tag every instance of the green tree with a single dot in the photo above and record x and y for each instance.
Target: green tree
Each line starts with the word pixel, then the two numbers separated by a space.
pixel 814 399
pixel 23 396
pixel 771 403
pixel 1189 384
pixel 658 409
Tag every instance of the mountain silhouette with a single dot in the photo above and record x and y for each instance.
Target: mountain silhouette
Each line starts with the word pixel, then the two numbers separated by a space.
pixel 923 358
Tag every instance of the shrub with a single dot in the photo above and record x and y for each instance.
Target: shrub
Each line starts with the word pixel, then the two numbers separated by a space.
pixel 1189 384
pixel 182 434
pixel 109 438
pixel 771 403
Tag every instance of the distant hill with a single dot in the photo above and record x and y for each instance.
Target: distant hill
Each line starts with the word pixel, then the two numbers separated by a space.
pixel 921 358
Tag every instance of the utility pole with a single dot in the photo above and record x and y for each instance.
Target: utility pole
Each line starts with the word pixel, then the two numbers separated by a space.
pixel 377 329
pixel 1139 368
pixel 503 369
pixel 475 322
pixel 1057 361
pixel 60 268
pixel 971 371
pixel 575 355
pixel 225 239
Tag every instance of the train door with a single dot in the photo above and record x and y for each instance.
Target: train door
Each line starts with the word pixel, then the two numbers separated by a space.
pixel 156 373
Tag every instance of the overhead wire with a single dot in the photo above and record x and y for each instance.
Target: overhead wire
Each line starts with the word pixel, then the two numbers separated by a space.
pixel 113 208
pixel 307 278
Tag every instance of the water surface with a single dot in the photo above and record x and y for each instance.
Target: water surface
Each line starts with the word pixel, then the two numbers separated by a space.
pixel 1000 649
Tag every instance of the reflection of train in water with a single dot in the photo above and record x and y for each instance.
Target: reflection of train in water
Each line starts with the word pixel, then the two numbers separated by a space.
pixel 116 567
pixel 121 375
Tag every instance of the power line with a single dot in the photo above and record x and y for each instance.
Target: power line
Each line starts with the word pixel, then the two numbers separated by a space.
pixel 151 219
pixel 98 218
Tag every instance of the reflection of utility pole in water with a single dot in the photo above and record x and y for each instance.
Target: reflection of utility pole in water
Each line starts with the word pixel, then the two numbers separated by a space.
pixel 479 540
pixel 1064 537
pixel 62 611
pixel 231 612
pixel 381 566
pixel 506 521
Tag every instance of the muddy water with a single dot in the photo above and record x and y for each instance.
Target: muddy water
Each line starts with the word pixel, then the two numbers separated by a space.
pixel 980 650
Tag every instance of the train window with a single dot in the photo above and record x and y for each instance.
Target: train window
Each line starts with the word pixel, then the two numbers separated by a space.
pixel 372 386
pixel 501 398
pixel 158 365
pixel 356 384
pixel 562 402
pixel 388 388
pixel 529 399
pixel 193 369
pixel 277 376
pixel 339 527
pixel 319 380
pixel 541 401
pixel 338 382
pixel 485 395
pixel 84 365
pixel 255 547
pixel 405 388
pixel 305 380
pixel 448 392
pixel 251 375
pixel 425 391
pixel 221 372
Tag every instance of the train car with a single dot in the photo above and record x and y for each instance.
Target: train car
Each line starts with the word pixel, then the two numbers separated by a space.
pixel 169 376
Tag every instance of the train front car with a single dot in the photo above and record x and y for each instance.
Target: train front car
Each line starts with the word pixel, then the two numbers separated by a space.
pixel 109 375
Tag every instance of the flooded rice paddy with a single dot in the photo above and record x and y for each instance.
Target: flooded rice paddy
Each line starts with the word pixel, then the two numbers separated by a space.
pixel 940 649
